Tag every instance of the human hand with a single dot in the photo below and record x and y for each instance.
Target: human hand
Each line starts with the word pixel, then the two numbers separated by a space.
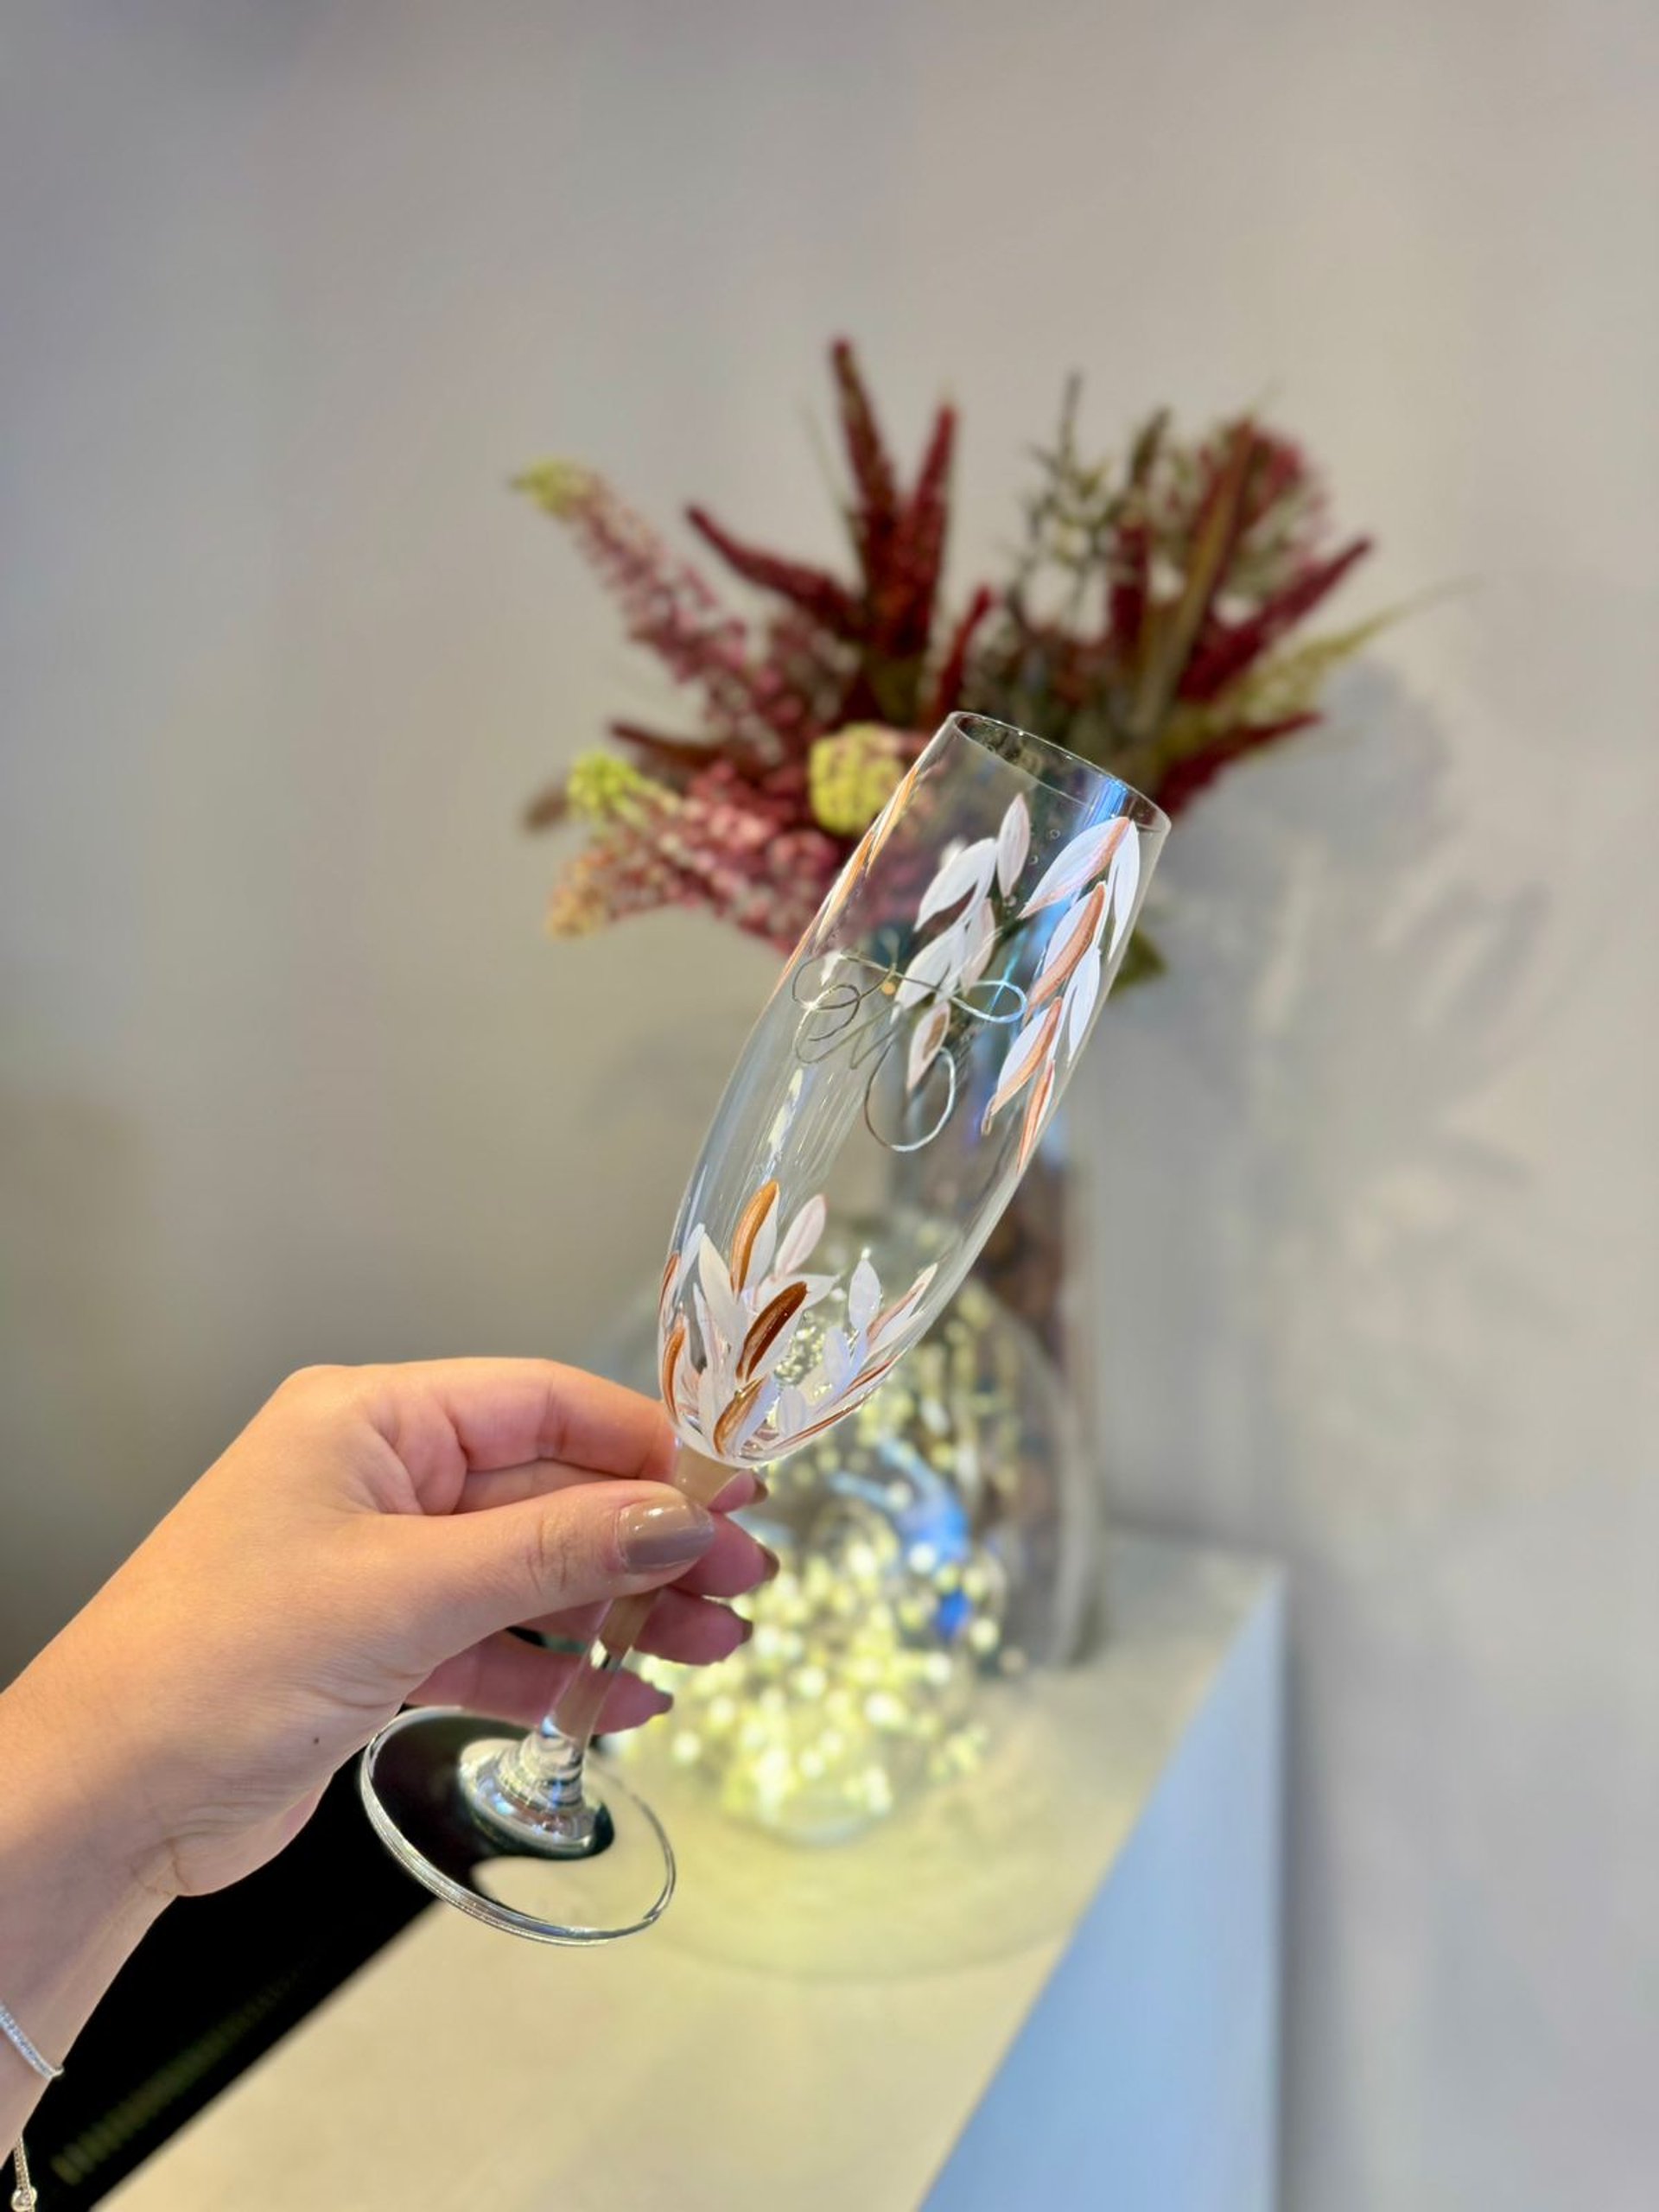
pixel 365 1543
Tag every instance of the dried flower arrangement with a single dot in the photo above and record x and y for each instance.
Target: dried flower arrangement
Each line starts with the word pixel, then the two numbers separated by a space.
pixel 1150 623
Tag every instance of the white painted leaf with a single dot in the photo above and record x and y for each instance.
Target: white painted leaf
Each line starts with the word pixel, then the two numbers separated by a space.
pixel 758 1413
pixel 677 1278
pixel 818 1287
pixel 800 1239
pixel 863 1294
pixel 1026 1056
pixel 888 1325
pixel 719 1356
pixel 1036 1110
pixel 934 968
pixel 1079 1001
pixel 685 1387
pixel 765 1243
pixel 966 874
pixel 837 1360
pixel 925 1039
pixel 728 1313
pixel 1125 881
pixel 1077 864
pixel 793 1411
pixel 1078 933
pixel 978 927
pixel 1013 844
pixel 708 1405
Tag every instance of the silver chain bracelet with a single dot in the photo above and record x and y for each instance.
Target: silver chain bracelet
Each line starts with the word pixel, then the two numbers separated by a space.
pixel 23 2197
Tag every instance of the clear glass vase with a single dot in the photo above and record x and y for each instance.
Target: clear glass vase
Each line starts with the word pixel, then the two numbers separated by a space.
pixel 946 1535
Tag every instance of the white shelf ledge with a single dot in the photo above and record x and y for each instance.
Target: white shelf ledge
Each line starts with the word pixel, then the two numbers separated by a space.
pixel 1063 1991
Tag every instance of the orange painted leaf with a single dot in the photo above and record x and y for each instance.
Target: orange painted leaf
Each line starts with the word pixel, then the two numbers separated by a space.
pixel 1026 1054
pixel 673 1345
pixel 1076 934
pixel 730 1422
pixel 1035 1110
pixel 752 1224
pixel 769 1327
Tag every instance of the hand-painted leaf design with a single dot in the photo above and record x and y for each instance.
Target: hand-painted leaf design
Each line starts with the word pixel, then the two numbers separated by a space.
pixel 887 1324
pixel 758 1413
pixel 673 1345
pixel 925 1039
pixel 716 1350
pixel 1078 932
pixel 933 969
pixel 1025 1055
pixel 863 1294
pixel 708 1404
pixel 875 1373
pixel 837 1358
pixel 751 1257
pixel 684 1401
pixel 887 821
pixel 1079 1001
pixel 1077 864
pixel 978 941
pixel 793 1410
pixel 1013 844
pixel 764 1345
pixel 671 1284
pixel 800 1239
pixel 732 1416
pixel 1125 881
pixel 1036 1109
pixel 724 1307
pixel 966 874
pixel 817 1427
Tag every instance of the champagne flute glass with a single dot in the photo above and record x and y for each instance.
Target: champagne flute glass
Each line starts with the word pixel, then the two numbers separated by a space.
pixel 926 1023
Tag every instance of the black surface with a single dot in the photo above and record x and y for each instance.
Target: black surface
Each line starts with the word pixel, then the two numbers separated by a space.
pixel 216 1982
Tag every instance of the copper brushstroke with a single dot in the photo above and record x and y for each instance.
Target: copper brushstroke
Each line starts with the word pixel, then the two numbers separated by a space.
pixel 750 1222
pixel 769 1324
pixel 1071 941
pixel 673 1345
pixel 732 1420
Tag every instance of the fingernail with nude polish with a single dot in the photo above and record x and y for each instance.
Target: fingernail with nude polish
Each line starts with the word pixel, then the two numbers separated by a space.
pixel 671 1534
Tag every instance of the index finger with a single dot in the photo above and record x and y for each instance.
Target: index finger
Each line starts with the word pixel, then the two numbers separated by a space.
pixel 445 1418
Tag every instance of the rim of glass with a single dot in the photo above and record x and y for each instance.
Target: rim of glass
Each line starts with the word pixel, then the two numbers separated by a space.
pixel 1054 765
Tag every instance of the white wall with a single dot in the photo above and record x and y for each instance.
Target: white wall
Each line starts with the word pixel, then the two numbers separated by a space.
pixel 288 1071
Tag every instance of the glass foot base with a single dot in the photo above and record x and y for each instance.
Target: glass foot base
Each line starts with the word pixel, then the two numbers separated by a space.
pixel 582 1875
pixel 578 1831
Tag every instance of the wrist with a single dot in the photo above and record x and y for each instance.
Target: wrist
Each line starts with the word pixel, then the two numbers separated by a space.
pixel 78 1889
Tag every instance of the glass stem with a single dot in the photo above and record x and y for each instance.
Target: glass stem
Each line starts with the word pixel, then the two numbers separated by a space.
pixel 547 1766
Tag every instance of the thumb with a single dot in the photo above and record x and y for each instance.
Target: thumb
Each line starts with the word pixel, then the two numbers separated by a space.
pixel 452 1578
